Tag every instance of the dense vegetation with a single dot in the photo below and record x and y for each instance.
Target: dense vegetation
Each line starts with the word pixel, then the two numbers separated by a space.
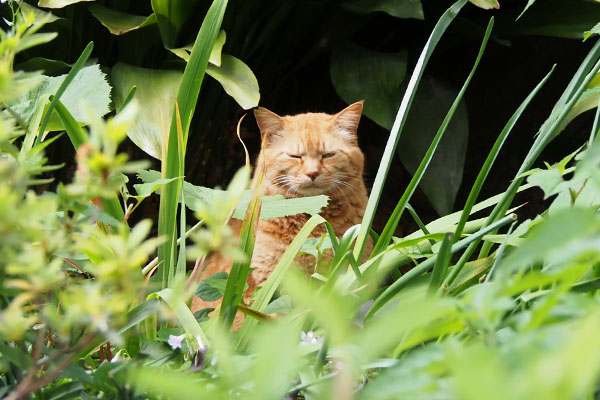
pixel 477 304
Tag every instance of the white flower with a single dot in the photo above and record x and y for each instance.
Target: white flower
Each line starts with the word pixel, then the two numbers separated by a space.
pixel 201 345
pixel 175 341
pixel 309 338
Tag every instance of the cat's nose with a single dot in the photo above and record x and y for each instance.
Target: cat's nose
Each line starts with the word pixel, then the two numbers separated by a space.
pixel 312 174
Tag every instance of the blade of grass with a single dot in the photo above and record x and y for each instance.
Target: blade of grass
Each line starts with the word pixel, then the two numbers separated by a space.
pixel 441 265
pixel 482 176
pixel 392 223
pixel 407 278
pixel 399 122
pixel 63 86
pixel 183 313
pixel 187 97
pixel 234 291
pixel 274 280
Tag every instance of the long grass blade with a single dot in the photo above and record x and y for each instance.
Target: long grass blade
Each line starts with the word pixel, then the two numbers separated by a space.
pixel 234 291
pixel 392 223
pixel 187 97
pixel 63 86
pixel 441 264
pixel 426 265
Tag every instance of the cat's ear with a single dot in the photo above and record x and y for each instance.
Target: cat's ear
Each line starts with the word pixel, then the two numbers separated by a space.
pixel 346 121
pixel 269 123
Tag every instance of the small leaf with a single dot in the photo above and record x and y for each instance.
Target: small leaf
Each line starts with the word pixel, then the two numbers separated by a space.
pixel 237 79
pixel 35 40
pixel 146 189
pixel 58 3
pixel 202 315
pixel 118 22
pixel 486 4
pixel 361 74
pixel 395 8
pixel 213 287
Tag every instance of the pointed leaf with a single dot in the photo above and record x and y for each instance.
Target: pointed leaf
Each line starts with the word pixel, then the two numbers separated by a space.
pixel 118 22
pixel 237 79
pixel 58 3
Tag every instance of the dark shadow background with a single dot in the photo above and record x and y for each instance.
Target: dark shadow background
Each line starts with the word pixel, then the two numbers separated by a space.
pixel 288 45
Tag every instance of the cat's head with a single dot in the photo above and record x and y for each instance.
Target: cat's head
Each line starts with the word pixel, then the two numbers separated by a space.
pixel 313 153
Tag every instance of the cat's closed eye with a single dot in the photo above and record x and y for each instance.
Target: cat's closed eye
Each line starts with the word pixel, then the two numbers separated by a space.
pixel 328 155
pixel 294 155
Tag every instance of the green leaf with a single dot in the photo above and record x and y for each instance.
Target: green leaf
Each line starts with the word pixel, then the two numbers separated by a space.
pixel 35 40
pixel 58 3
pixel 213 287
pixel 272 206
pixel 444 174
pixel 41 16
pixel 361 74
pixel 486 4
pixel 550 239
pixel 146 189
pixel 88 89
pixel 156 94
pixel 118 22
pixel 237 79
pixel 594 31
pixel 202 315
pixel 395 8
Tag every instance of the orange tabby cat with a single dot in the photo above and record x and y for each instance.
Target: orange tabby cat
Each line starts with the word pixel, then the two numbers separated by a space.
pixel 306 155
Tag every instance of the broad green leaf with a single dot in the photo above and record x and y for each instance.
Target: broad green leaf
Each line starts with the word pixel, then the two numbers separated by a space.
pixel 118 22
pixel 156 93
pixel 272 206
pixel 237 79
pixel 58 3
pixel 444 173
pixel 88 90
pixel 361 74
pixel 486 4
pixel 395 8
